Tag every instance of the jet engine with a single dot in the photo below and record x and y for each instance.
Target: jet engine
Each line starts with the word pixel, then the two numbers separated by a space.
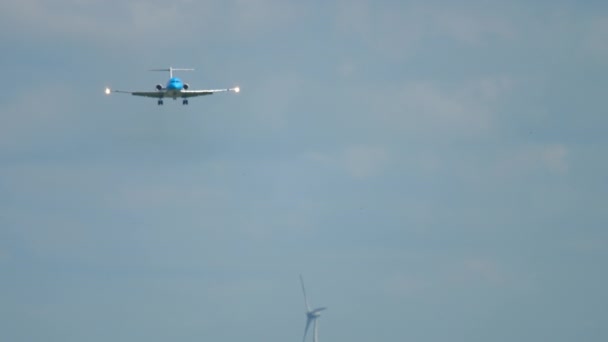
pixel 186 86
pixel 159 87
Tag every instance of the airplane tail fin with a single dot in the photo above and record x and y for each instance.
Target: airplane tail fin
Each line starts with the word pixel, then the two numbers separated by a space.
pixel 171 70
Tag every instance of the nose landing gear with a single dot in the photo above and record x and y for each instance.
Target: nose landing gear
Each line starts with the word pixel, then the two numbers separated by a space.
pixel 185 102
pixel 160 102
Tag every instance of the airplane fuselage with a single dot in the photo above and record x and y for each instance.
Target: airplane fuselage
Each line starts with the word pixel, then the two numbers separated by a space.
pixel 175 83
pixel 174 88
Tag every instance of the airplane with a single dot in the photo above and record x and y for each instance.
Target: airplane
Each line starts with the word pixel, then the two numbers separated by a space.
pixel 175 88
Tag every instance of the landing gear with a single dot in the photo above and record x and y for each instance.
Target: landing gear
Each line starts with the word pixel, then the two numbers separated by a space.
pixel 160 102
pixel 185 102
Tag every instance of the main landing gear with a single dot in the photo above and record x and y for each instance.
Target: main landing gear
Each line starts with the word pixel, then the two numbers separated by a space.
pixel 160 102
pixel 185 102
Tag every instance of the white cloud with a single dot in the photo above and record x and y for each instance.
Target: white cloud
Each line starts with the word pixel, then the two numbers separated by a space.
pixel 347 69
pixel 278 99
pixel 394 29
pixel 532 159
pixel 475 270
pixel 133 23
pixel 4 255
pixel 555 158
pixel 359 162
pixel 365 161
pixel 452 273
pixel 587 246
pixel 472 26
pixel 45 118
pixel 595 36
pixel 427 109
pixel 404 285
pixel 439 108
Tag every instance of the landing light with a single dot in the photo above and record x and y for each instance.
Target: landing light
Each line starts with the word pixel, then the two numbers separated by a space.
pixel 237 89
pixel 108 91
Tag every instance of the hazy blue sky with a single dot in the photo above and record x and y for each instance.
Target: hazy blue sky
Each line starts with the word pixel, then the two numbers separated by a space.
pixel 436 170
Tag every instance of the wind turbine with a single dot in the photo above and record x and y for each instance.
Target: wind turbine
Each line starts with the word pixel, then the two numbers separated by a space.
pixel 311 316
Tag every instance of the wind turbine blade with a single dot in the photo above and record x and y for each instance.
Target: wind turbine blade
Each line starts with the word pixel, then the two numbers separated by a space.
pixel 306 329
pixel 317 310
pixel 304 291
pixel 315 337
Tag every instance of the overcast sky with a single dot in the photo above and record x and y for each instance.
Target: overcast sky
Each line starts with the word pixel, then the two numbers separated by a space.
pixel 435 170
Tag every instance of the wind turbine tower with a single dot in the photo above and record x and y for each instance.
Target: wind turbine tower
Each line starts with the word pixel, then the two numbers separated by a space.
pixel 311 316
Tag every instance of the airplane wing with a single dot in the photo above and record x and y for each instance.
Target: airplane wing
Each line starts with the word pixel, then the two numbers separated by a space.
pixel 193 93
pixel 182 93
pixel 155 94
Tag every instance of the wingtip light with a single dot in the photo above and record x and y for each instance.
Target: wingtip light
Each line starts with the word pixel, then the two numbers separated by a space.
pixel 237 90
pixel 108 91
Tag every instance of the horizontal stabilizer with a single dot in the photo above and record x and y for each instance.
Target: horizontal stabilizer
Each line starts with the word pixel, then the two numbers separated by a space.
pixel 171 70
